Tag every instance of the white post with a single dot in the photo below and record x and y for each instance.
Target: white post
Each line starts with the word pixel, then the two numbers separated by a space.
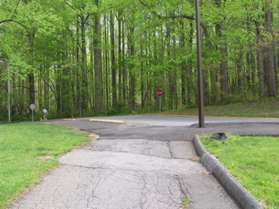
pixel 32 108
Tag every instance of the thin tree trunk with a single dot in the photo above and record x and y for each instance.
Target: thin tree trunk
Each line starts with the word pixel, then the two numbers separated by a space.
pixel 224 57
pixel 124 72
pixel 268 52
pixel 113 62
pixel 120 60
pixel 132 80
pixel 98 62
pixel 77 80
pixel 183 65
pixel 106 56
pixel 84 96
pixel 260 61
pixel 190 68
pixel 31 78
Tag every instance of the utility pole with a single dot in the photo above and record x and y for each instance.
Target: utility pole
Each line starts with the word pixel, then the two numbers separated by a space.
pixel 199 66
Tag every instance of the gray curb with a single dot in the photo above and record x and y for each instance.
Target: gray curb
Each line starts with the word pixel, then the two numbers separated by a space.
pixel 236 123
pixel 241 196
pixel 107 121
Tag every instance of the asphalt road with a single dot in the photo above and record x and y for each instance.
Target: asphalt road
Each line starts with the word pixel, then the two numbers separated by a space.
pixel 139 162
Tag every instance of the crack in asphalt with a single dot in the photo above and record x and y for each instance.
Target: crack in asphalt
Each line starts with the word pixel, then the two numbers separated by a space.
pixel 170 150
pixel 143 170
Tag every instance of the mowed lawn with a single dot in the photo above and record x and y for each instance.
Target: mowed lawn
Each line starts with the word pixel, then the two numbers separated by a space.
pixel 254 161
pixel 28 151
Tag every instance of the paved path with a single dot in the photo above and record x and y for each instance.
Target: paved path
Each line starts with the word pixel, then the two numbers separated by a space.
pixel 132 166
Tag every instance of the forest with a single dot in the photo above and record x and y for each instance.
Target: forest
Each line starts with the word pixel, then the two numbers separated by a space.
pixel 96 57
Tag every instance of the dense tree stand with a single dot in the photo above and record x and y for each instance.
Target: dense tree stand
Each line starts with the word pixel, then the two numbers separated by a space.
pixel 89 57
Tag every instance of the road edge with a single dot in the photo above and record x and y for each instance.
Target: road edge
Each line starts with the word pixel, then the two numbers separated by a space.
pixel 238 193
pixel 107 121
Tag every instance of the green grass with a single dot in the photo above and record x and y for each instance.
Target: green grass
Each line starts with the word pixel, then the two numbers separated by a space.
pixel 263 108
pixel 254 161
pixel 185 203
pixel 28 151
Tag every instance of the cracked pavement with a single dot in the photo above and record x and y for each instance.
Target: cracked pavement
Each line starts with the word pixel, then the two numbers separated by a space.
pixel 132 166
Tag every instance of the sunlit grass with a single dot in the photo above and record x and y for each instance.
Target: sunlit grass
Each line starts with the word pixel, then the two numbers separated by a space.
pixel 263 108
pixel 254 161
pixel 186 203
pixel 28 151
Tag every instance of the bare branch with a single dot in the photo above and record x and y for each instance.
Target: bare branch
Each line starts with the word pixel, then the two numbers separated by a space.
pixel 15 9
pixel 189 17
pixel 182 16
pixel 70 5
pixel 6 21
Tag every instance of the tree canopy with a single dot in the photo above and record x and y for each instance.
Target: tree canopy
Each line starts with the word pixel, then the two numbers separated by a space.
pixel 89 57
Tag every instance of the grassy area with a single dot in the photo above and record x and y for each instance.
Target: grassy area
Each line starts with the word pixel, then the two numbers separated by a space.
pixel 28 151
pixel 185 203
pixel 254 161
pixel 263 108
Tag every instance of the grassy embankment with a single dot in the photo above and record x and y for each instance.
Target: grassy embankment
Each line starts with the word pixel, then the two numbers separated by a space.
pixel 264 108
pixel 28 151
pixel 254 161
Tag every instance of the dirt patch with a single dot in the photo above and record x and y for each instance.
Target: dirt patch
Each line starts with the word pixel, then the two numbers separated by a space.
pixel 46 158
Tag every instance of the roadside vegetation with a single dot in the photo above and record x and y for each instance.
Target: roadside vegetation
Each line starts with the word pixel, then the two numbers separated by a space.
pixel 186 202
pixel 84 57
pixel 254 161
pixel 267 108
pixel 28 151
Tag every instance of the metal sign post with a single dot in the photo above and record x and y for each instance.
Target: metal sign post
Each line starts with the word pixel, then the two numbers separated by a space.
pixel 199 66
pixel 159 94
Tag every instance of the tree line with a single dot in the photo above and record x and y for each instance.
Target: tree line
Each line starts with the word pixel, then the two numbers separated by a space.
pixel 90 57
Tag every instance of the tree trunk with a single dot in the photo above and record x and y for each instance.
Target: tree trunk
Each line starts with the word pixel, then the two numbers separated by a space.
pixel 98 62
pixel 190 69
pixel 183 65
pixel 31 78
pixel 106 57
pixel 84 96
pixel 260 61
pixel 113 62
pixel 120 59
pixel 77 76
pixel 132 80
pixel 268 52
pixel 124 72
pixel 224 56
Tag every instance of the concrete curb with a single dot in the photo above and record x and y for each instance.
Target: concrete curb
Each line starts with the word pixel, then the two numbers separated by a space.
pixel 241 196
pixel 108 121
pixel 214 124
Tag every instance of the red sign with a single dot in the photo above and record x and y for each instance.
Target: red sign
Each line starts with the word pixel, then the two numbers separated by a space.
pixel 159 92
